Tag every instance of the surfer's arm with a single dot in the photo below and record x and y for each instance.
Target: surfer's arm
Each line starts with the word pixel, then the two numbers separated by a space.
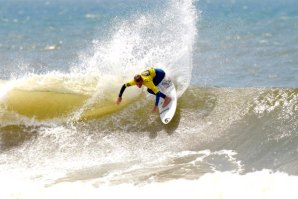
pixel 131 83
pixel 122 90
pixel 119 99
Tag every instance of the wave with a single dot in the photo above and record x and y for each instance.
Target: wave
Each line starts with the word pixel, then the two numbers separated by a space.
pixel 257 123
pixel 217 134
pixel 64 97
pixel 163 38
pixel 58 97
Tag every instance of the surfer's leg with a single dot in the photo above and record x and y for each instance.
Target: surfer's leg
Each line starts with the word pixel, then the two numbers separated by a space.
pixel 167 101
pixel 150 91
pixel 160 74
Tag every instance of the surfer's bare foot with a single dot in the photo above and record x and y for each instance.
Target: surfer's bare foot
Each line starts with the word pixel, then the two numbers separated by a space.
pixel 154 110
pixel 166 102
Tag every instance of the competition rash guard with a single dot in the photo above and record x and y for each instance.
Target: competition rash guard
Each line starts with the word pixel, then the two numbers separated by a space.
pixel 147 76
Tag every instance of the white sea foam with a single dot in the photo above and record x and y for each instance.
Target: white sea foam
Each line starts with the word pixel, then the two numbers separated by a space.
pixel 219 185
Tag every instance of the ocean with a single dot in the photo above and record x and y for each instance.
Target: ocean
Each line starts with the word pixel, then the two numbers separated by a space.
pixel 235 68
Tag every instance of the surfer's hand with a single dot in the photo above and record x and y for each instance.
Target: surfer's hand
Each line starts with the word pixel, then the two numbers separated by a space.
pixel 154 110
pixel 119 99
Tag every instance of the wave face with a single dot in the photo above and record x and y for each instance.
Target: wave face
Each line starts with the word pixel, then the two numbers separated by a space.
pixel 215 130
pixel 257 123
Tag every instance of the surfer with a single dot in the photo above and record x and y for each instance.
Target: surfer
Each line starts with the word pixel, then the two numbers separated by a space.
pixel 149 78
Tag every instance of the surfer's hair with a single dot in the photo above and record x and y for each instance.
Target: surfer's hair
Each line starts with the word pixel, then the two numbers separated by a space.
pixel 138 78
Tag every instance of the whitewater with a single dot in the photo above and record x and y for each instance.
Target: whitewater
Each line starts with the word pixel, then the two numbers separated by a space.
pixel 62 65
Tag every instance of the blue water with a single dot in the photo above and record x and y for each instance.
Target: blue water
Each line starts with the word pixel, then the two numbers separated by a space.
pixel 239 43
pixel 248 43
pixel 50 35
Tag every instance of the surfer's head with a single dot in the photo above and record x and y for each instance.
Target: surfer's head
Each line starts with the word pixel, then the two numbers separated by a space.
pixel 139 81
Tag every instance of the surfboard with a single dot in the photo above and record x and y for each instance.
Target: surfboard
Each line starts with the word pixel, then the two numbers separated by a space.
pixel 167 113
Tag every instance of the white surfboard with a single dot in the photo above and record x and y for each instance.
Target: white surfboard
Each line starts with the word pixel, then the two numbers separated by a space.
pixel 167 87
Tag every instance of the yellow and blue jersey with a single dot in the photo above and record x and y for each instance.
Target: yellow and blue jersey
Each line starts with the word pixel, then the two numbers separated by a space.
pixel 147 76
pixel 150 80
